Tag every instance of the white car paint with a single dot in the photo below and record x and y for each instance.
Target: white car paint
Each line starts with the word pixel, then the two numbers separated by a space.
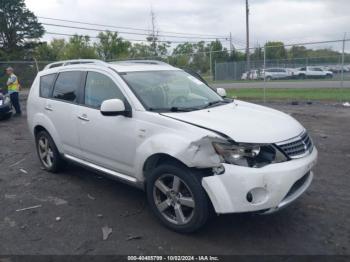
pixel 120 146
pixel 313 72
pixel 250 117
pixel 276 73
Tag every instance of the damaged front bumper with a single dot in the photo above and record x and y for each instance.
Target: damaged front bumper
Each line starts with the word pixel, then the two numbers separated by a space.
pixel 270 188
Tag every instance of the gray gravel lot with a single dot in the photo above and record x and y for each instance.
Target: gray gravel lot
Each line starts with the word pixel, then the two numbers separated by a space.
pixel 318 223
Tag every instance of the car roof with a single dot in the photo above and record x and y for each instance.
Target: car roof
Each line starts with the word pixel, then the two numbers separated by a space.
pixel 119 66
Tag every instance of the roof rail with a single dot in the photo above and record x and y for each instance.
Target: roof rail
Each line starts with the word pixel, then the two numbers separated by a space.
pixel 74 62
pixel 149 62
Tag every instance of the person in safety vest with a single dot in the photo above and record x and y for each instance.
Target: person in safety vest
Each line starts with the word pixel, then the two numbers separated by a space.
pixel 13 90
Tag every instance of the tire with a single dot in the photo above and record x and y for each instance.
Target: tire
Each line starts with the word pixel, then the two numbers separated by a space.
pixel 6 116
pixel 268 78
pixel 185 208
pixel 329 76
pixel 302 76
pixel 51 159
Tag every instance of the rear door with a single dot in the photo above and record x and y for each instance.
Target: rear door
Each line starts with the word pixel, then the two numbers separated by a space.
pixel 62 108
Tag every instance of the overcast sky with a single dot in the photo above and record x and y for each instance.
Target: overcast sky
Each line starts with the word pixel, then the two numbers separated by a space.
pixel 291 21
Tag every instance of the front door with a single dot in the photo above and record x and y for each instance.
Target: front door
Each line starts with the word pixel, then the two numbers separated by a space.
pixel 107 141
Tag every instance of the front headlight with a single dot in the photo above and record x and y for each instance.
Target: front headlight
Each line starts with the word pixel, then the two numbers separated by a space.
pixel 249 155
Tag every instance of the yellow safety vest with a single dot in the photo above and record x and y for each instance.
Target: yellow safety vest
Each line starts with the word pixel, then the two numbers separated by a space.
pixel 14 87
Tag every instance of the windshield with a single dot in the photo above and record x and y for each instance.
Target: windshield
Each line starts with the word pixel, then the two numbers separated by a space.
pixel 172 90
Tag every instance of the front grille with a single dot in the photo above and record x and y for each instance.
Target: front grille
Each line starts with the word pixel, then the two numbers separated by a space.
pixel 297 147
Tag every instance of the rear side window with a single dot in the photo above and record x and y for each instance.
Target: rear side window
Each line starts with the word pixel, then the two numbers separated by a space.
pixel 46 83
pixel 67 86
pixel 99 88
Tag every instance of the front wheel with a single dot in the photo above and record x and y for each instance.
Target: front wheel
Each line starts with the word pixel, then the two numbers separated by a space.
pixel 177 198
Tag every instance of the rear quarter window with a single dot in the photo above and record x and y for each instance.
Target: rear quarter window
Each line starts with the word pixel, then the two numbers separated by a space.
pixel 67 86
pixel 46 84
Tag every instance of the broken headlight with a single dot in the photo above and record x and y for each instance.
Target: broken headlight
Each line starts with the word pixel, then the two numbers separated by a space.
pixel 249 155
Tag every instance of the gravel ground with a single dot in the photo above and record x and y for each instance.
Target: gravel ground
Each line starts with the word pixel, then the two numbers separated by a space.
pixel 76 204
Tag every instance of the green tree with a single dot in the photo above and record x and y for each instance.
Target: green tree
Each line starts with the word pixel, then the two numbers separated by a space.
pixel 111 46
pixel 51 51
pixel 219 53
pixel 258 54
pixel 275 50
pixel 140 50
pixel 19 29
pixel 182 55
pixel 79 47
pixel 297 52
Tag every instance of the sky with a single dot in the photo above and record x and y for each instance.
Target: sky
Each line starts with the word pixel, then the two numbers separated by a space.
pixel 290 21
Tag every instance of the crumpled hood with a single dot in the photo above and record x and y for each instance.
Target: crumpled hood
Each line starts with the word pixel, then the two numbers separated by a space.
pixel 244 122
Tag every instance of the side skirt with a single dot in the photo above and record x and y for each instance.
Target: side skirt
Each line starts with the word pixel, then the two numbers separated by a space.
pixel 114 174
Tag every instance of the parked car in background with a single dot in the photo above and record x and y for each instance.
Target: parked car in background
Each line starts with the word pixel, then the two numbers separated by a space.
pixel 337 68
pixel 5 106
pixel 251 75
pixel 312 72
pixel 276 73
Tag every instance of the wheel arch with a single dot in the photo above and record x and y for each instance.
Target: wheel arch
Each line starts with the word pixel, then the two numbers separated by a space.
pixel 43 123
pixel 157 159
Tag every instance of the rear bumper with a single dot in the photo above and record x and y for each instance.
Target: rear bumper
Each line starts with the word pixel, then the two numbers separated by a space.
pixel 270 188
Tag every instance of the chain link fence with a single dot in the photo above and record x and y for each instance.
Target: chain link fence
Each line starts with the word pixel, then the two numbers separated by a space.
pixel 305 72
pixel 25 70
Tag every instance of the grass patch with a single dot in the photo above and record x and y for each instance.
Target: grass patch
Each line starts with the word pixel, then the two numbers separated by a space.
pixel 324 94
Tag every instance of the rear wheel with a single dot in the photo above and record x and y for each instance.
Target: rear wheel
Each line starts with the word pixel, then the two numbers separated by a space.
pixel 302 76
pixel 6 116
pixel 47 151
pixel 177 198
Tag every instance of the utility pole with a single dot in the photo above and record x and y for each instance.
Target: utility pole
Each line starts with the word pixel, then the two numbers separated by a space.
pixel 231 43
pixel 211 63
pixel 264 73
pixel 342 61
pixel 153 37
pixel 247 32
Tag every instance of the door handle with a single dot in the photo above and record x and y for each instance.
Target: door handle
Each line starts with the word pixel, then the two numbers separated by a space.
pixel 48 108
pixel 84 118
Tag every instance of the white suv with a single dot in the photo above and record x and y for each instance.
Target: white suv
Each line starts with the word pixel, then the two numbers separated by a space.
pixel 159 128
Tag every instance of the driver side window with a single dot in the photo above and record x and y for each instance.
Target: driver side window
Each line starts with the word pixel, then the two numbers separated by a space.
pixel 98 88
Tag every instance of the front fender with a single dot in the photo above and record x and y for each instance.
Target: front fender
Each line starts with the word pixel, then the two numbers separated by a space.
pixel 199 153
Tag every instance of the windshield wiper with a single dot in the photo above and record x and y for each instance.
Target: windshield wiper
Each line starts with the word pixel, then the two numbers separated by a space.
pixel 213 103
pixel 174 109
pixel 183 109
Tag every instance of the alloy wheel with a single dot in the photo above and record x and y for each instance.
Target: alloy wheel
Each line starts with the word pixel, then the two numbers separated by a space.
pixel 45 152
pixel 173 199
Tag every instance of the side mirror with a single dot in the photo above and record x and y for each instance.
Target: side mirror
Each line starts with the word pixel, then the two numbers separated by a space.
pixel 221 92
pixel 113 107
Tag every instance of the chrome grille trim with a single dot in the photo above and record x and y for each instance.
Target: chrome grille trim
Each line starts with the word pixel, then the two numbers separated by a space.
pixel 297 147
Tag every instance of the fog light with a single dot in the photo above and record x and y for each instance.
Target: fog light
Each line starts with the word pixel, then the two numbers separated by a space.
pixel 257 195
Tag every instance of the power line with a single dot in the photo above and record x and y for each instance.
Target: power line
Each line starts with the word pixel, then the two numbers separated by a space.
pixel 131 40
pixel 129 28
pixel 125 32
